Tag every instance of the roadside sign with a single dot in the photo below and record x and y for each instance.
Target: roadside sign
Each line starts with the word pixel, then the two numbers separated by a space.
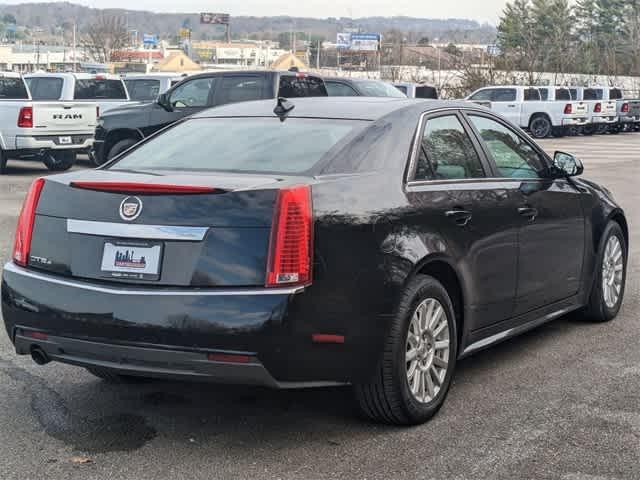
pixel 215 18
pixel 149 39
pixel 367 42
pixel 343 40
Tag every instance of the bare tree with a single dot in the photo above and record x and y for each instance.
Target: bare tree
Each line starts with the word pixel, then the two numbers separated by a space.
pixel 106 35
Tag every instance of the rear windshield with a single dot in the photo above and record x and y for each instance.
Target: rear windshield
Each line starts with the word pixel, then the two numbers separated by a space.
pixel 593 94
pixel 45 88
pixel 426 92
pixel 91 89
pixel 13 89
pixel 143 89
pixel 301 86
pixel 373 88
pixel 250 145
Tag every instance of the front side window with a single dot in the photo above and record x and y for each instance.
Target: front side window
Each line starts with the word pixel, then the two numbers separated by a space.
pixel 504 95
pixel 43 88
pixel 513 156
pixel 482 95
pixel 447 152
pixel 250 144
pixel 194 93
pixel 143 89
pixel 339 89
pixel 240 89
pixel 96 88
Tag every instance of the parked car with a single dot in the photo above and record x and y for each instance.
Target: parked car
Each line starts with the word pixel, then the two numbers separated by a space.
pixel 417 90
pixel 360 87
pixel 108 91
pixel 123 127
pixel 603 110
pixel 147 87
pixel 313 242
pixel 525 107
pixel 48 131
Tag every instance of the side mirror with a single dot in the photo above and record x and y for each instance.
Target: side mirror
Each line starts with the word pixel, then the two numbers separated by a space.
pixel 164 102
pixel 567 165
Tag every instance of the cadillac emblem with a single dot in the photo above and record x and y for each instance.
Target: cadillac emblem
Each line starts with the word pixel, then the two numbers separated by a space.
pixel 130 208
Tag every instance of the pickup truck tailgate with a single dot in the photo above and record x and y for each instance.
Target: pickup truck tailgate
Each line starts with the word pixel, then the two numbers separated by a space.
pixel 64 116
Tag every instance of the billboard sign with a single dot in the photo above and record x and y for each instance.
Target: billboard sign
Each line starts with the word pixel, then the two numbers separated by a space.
pixel 215 18
pixel 365 42
pixel 149 39
pixel 343 40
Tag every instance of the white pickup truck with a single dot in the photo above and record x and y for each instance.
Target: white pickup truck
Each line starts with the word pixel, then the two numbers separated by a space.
pixel 108 91
pixel 49 131
pixel 603 111
pixel 525 107
pixel 145 87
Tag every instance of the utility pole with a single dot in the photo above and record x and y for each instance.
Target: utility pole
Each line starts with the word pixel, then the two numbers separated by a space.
pixel 73 47
pixel 318 54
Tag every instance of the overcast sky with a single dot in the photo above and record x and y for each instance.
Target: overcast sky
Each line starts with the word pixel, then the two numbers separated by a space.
pixel 482 10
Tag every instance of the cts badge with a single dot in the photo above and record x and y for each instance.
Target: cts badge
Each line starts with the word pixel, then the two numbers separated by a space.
pixel 130 208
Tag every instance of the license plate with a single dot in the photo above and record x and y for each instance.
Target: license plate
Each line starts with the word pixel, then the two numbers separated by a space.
pixel 138 260
pixel 65 140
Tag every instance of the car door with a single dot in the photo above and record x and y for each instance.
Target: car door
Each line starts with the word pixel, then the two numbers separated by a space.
pixel 504 101
pixel 241 88
pixel 551 233
pixel 187 98
pixel 466 215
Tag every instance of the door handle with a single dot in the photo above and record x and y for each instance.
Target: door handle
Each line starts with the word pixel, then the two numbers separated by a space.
pixel 529 212
pixel 459 216
pixel 511 106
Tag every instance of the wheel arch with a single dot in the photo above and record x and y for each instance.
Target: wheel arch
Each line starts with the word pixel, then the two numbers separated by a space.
pixel 114 136
pixel 618 217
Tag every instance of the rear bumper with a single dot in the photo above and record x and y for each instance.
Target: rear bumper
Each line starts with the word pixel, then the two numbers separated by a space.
pixel 629 119
pixel 168 333
pixel 604 120
pixel 575 121
pixel 52 142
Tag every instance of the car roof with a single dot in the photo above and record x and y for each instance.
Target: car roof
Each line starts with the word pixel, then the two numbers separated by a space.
pixel 361 108
pixel 79 76
pixel 352 79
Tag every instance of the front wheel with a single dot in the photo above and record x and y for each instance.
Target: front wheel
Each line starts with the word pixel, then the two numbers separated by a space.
pixel 540 126
pixel 413 377
pixel 59 161
pixel 609 284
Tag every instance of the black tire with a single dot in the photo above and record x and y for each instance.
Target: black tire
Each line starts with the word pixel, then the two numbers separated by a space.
pixel 560 132
pixel 597 309
pixel 386 397
pixel 616 129
pixel 120 147
pixel 540 126
pixel 59 161
pixel 3 162
pixel 110 376
pixel 589 130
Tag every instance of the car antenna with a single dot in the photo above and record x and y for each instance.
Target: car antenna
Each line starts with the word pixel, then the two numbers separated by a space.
pixel 283 108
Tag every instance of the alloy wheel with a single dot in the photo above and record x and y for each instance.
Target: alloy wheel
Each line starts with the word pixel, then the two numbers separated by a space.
pixel 612 271
pixel 427 350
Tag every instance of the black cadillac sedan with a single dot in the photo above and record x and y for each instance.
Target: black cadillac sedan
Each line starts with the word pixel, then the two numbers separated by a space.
pixel 370 242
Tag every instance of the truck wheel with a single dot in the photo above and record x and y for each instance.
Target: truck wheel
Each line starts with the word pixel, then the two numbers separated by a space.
pixel 59 161
pixel 3 162
pixel 540 126
pixel 559 132
pixel 589 129
pixel 120 147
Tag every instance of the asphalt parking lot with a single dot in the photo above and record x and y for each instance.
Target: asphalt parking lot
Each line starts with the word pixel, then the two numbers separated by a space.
pixel 561 402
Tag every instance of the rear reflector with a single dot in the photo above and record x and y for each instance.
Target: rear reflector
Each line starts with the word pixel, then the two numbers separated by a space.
pixel 24 230
pixel 598 108
pixel 568 109
pixel 25 117
pixel 625 108
pixel 132 187
pixel 229 358
pixel 327 338
pixel 291 245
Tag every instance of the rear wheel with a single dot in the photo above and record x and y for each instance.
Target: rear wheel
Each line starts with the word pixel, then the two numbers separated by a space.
pixel 412 380
pixel 608 287
pixel 560 131
pixel 120 147
pixel 58 161
pixel 540 126
pixel 3 162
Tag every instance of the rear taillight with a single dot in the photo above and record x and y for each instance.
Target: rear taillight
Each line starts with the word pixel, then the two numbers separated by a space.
pixel 291 246
pixel 24 230
pixel 568 109
pixel 625 108
pixel 25 117
pixel 598 108
pixel 149 188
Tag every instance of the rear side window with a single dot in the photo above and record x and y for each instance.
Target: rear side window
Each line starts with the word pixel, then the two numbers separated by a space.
pixel 574 93
pixel 447 152
pixel 531 95
pixel 593 94
pixel 240 89
pixel 45 88
pixel 373 88
pixel 562 94
pixel 544 94
pixel 339 89
pixel 143 89
pixel 615 94
pixel 504 95
pixel 249 144
pixel 94 88
pixel 13 89
pixel 301 86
